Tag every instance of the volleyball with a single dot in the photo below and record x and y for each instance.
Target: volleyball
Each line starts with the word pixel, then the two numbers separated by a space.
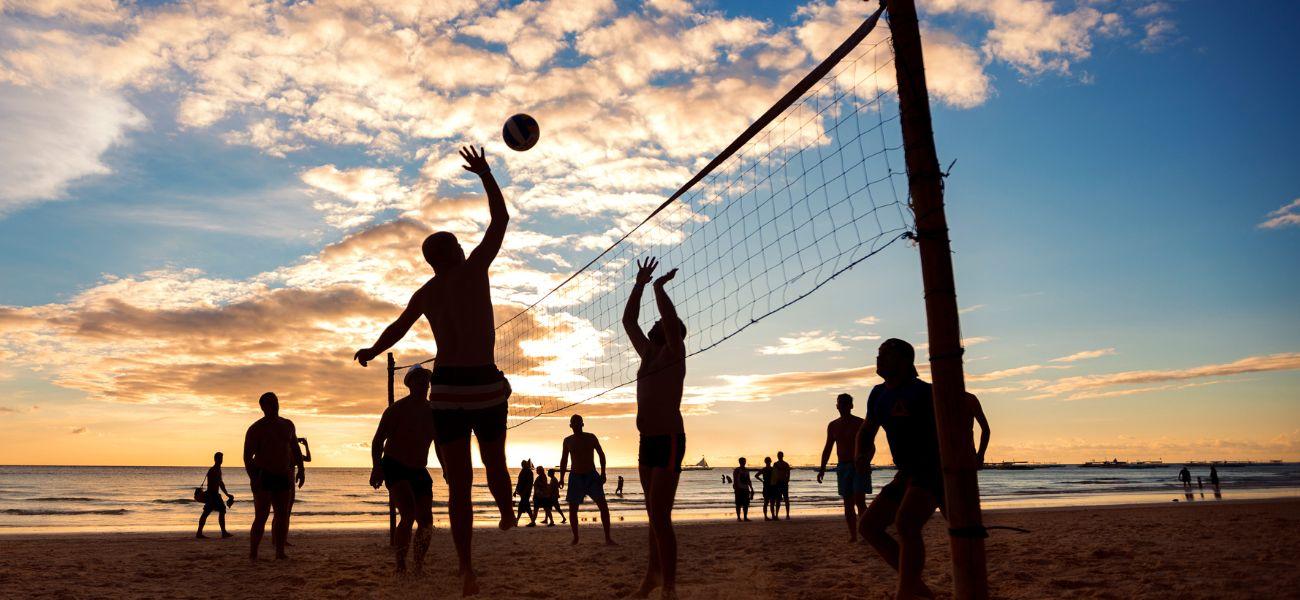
pixel 520 132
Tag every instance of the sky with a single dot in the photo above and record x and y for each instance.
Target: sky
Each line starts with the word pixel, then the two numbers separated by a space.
pixel 202 201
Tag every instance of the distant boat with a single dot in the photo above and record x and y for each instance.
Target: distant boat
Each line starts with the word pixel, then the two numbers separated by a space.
pixel 703 465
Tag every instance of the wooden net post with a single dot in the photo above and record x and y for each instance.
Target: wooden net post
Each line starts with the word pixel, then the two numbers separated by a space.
pixel 961 488
pixel 392 510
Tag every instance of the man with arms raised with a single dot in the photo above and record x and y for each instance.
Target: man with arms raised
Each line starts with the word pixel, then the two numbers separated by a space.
pixel 270 456
pixel 904 407
pixel 842 433
pixel 467 392
pixel 659 384
pixel 400 454
pixel 585 482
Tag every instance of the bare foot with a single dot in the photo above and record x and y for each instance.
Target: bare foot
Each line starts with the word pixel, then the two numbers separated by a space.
pixel 507 522
pixel 469 584
pixel 200 536
pixel 227 535
pixel 574 542
pixel 648 584
pixel 610 542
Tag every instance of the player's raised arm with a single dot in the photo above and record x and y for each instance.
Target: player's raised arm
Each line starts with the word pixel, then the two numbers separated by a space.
pixel 631 314
pixel 667 312
pixel 394 332
pixel 476 162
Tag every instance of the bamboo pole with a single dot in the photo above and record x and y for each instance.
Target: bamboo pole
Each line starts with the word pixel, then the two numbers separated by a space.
pixel 961 488
pixel 392 510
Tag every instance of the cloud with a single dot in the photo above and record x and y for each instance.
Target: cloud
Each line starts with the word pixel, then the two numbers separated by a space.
pixel 1030 35
pixel 1286 216
pixel 1084 355
pixel 868 320
pixel 1286 361
pixel 79 430
pixel 970 309
pixel 806 342
pixel 50 138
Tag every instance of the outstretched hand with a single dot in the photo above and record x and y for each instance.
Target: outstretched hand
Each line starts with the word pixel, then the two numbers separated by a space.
pixel 645 270
pixel 365 355
pixel 475 159
pixel 665 278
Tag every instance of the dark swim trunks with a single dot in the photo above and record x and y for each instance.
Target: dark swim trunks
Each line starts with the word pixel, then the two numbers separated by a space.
pixel 212 501
pixel 267 481
pixel 469 399
pixel 662 451
pixel 417 477
pixel 930 482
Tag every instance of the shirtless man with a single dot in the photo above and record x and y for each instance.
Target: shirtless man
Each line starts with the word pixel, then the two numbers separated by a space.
pixel 467 392
pixel 743 489
pixel 904 407
pixel 842 434
pixel 270 457
pixel 212 498
pixel 780 485
pixel 400 454
pixel 586 482
pixel 659 384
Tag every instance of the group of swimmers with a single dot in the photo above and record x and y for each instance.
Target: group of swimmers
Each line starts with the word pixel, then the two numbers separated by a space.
pixel 466 394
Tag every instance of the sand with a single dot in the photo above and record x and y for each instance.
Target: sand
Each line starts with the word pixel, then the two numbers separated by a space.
pixel 1200 550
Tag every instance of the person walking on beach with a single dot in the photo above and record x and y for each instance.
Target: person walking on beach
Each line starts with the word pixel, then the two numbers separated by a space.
pixel 660 380
pixel 743 489
pixel 1185 476
pixel 399 454
pixel 904 407
pixel 618 491
pixel 586 482
pixel 765 475
pixel 780 485
pixel 555 496
pixel 467 393
pixel 542 497
pixel 270 457
pixel 853 487
pixel 212 497
pixel 524 489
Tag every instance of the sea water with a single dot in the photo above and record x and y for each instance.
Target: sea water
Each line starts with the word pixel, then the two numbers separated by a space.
pixel 80 499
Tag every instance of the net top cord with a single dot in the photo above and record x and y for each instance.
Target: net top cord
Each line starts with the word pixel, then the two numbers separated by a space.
pixel 808 191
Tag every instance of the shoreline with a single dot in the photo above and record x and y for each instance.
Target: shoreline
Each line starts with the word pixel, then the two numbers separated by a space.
pixel 589 517
pixel 1230 549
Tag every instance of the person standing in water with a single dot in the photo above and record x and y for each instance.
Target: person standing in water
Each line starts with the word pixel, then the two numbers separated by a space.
pixel 618 491
pixel 586 482
pixel 468 394
pixel 270 457
pixel 212 498
pixel 660 381
pixel 743 489
pixel 399 453
pixel 853 486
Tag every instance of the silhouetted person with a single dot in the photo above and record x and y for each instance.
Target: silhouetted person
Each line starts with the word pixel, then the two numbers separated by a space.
pixel 586 482
pixel 853 486
pixel 212 497
pixel 780 485
pixel 659 383
pixel 468 393
pixel 743 489
pixel 399 453
pixel 618 491
pixel 765 475
pixel 1214 477
pixel 904 407
pixel 524 489
pixel 1185 476
pixel 555 495
pixel 542 497
pixel 270 457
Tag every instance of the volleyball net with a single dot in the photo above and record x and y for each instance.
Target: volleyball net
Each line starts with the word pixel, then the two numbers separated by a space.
pixel 812 188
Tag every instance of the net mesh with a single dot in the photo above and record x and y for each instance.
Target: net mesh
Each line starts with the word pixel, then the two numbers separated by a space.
pixel 815 192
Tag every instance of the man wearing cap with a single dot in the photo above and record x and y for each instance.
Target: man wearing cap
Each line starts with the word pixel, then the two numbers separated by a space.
pixel 400 453
pixel 904 407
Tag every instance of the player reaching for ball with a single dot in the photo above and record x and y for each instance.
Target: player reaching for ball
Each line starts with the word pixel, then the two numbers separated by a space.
pixel 466 391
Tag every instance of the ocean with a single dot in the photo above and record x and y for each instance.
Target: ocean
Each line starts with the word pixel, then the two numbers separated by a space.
pixel 112 499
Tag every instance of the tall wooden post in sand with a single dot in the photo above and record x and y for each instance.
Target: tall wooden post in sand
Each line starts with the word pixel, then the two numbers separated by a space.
pixel 392 510
pixel 956 447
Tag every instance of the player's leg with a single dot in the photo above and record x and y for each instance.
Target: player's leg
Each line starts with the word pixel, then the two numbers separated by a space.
pixel 604 517
pixel 203 518
pixel 490 430
pixel 399 492
pixel 459 474
pixel 664 490
pixel 573 514
pixel 282 506
pixel 653 574
pixel 915 510
pixel 261 510
pixel 879 515
pixel 423 523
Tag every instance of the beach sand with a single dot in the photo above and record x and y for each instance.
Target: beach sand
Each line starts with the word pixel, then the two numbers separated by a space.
pixel 1198 550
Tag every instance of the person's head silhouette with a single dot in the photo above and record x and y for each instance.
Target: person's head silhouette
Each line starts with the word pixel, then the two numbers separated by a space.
pixel 417 380
pixel 767 460
pixel 270 404
pixel 540 471
pixel 844 403
pixel 656 335
pixel 780 455
pixel 896 360
pixel 442 251
pixel 217 458
pixel 742 461
pixel 575 423
pixel 523 464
